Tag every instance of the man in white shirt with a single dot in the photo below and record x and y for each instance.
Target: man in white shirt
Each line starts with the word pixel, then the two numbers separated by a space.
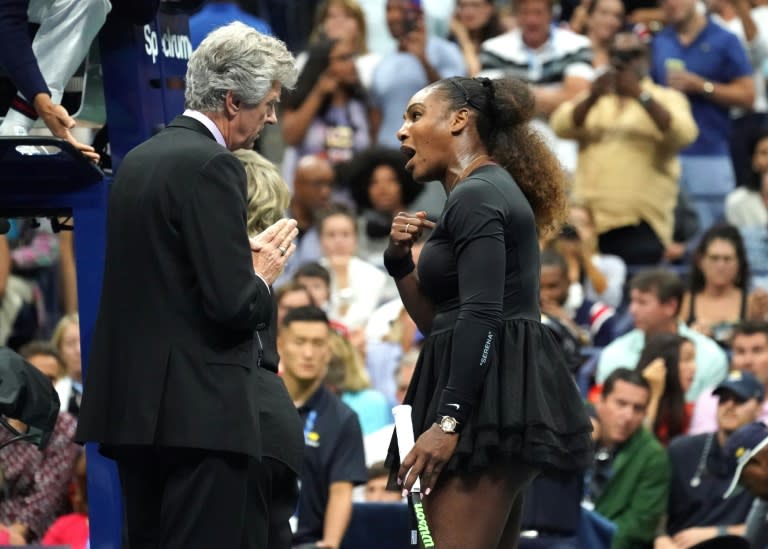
pixel 555 61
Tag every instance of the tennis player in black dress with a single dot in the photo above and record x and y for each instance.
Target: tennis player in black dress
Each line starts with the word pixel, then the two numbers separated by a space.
pixel 493 401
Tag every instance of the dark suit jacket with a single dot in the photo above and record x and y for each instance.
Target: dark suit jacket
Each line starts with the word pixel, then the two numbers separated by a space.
pixel 173 356
pixel 281 425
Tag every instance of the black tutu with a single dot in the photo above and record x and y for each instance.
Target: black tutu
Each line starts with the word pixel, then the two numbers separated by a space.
pixel 530 408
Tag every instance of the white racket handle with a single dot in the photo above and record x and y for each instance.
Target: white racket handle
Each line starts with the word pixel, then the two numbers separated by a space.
pixel 404 433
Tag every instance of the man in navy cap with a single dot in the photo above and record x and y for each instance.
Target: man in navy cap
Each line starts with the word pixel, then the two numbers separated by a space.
pixel 747 447
pixel 702 470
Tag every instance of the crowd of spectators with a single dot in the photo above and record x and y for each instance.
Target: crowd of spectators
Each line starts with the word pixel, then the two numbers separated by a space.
pixel 657 286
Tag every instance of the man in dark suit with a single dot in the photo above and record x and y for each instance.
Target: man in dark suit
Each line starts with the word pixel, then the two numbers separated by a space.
pixel 171 393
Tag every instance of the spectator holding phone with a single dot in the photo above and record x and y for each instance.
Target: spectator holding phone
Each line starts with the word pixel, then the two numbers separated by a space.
pixel 345 19
pixel 328 113
pixel 602 275
pixel 707 63
pixel 420 59
pixel 627 120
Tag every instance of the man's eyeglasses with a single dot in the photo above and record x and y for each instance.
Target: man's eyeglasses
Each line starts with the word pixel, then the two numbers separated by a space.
pixel 727 396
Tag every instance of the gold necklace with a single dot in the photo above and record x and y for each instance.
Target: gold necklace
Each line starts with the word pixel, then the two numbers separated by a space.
pixel 476 163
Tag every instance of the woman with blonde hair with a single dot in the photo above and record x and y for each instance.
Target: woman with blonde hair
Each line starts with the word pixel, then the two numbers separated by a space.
pixel 268 196
pixel 66 339
pixel 349 379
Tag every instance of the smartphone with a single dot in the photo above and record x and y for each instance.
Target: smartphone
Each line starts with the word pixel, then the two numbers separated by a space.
pixel 673 64
pixel 722 332
pixel 412 12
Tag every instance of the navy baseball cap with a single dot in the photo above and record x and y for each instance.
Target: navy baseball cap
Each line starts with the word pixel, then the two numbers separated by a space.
pixel 743 384
pixel 742 446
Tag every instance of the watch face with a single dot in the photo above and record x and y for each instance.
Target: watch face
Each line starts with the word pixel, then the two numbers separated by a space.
pixel 448 424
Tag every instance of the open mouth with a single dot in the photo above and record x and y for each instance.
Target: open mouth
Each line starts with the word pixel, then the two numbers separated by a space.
pixel 408 152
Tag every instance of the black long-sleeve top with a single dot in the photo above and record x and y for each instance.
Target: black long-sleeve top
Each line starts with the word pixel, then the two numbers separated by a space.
pixel 482 260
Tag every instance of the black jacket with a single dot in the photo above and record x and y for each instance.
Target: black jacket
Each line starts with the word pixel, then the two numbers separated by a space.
pixel 173 353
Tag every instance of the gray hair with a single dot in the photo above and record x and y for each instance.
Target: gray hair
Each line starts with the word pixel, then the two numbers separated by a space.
pixel 240 59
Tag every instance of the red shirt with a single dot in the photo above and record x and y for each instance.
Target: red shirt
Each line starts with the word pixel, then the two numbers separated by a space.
pixel 69 530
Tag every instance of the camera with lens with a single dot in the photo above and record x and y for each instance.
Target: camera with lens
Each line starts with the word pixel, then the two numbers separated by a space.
pixel 568 232
pixel 622 57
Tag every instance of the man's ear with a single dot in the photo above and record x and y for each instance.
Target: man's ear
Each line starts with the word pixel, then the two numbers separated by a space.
pixel 231 104
pixel 671 306
pixel 459 120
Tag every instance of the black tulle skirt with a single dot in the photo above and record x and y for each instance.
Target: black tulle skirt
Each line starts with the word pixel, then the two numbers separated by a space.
pixel 530 408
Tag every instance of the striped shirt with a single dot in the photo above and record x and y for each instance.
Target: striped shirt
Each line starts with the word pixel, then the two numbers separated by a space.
pixel 565 53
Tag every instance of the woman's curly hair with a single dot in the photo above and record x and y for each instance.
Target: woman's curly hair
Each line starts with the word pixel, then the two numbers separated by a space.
pixel 504 109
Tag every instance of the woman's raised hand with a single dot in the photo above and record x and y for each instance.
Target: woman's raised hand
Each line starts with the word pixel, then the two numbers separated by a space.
pixel 656 375
pixel 406 230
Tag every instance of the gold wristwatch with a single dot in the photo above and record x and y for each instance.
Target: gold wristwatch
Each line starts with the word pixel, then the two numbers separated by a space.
pixel 448 424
